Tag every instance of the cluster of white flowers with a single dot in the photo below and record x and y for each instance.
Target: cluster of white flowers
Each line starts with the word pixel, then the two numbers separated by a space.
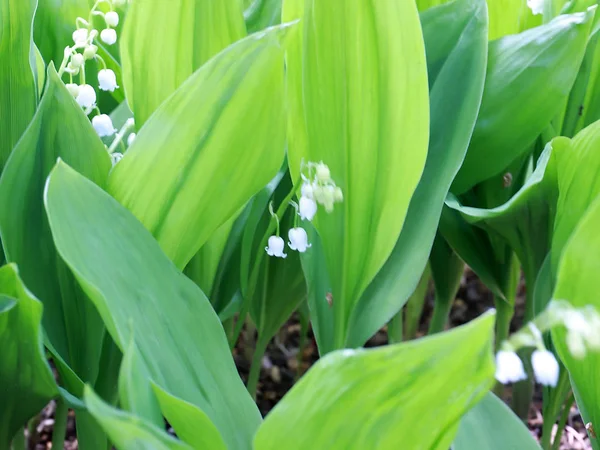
pixel 317 187
pixel 583 333
pixel 83 50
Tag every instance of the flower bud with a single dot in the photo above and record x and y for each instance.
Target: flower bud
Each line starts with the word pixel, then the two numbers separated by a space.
pixel 107 80
pixel 72 69
pixel 73 89
pixel 323 173
pixel 275 247
pixel 112 19
pixel 103 125
pixel 80 36
pixel 536 6
pixel 298 239
pixel 108 36
pixel 328 198
pixel 115 158
pixel 77 60
pixel 86 96
pixel 90 51
pixel 130 139
pixel 338 195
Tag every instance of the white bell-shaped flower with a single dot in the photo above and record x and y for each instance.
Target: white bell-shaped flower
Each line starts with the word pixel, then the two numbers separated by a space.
pixel 108 36
pixel 116 157
pixel 275 247
pixel 536 6
pixel 130 139
pixel 545 367
pixel 107 80
pixel 103 125
pixel 80 36
pixel 77 60
pixel 576 345
pixel 87 96
pixel 307 190
pixel 90 51
pixel 112 19
pixel 509 367
pixel 298 239
pixel 307 208
pixel 73 89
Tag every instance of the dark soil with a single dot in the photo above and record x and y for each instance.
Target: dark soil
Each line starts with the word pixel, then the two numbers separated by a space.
pixel 282 365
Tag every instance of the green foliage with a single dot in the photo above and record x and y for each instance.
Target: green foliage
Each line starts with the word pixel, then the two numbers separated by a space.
pixel 27 382
pixel 390 395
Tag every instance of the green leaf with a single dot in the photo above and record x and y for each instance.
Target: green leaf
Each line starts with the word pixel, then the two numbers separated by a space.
pixel 529 77
pixel 358 101
pixel 579 186
pixel 127 431
pixel 456 42
pixel 189 422
pixel 127 276
pixel 72 325
pixel 491 425
pixel 526 221
pixel 18 92
pixel 26 379
pixel 262 14
pixel 190 170
pixel 191 32
pixel 577 283
pixel 391 394
pixel 59 129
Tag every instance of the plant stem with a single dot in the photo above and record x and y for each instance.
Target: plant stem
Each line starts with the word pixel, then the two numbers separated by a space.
pixel 395 328
pixel 259 352
pixel 554 399
pixel 304 324
pixel 439 318
pixel 18 442
pixel 60 425
pixel 504 314
pixel 561 423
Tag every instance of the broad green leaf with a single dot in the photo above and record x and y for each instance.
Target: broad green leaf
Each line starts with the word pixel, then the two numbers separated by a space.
pixel 72 325
pixel 358 101
pixel 165 42
pixel 190 423
pixel 191 169
pixel 579 185
pixel 59 129
pixel 262 14
pixel 510 17
pixel 577 283
pixel 127 276
pixel 456 42
pixel 40 73
pixel 526 221
pixel 583 106
pixel 491 425
pixel 26 379
pixel 18 92
pixel 529 77
pixel 126 430
pixel 391 395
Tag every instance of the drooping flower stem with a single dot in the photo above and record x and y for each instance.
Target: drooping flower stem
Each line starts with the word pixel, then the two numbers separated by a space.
pixel 120 135
pixel 256 269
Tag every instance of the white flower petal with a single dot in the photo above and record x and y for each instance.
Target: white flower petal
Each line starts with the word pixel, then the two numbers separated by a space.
pixel 108 36
pixel 275 247
pixel 130 139
pixel 103 125
pixel 298 239
pixel 107 80
pixel 545 367
pixel 509 367
pixel 86 96
pixel 536 6
pixel 112 19
pixel 307 208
